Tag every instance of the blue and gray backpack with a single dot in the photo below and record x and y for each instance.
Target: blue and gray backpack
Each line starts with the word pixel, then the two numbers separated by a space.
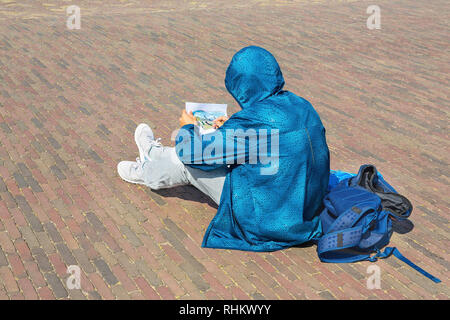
pixel 357 219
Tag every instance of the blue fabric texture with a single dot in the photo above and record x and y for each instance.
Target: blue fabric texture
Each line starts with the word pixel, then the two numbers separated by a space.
pixel 264 206
pixel 354 225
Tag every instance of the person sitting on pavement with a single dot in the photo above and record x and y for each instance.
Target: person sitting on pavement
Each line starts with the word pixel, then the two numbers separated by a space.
pixel 267 166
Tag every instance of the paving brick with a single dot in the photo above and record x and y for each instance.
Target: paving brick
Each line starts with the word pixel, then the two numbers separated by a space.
pixel 32 219
pixel 130 236
pixel 124 279
pixel 150 275
pixel 120 293
pixel 3 260
pixel 95 221
pixel 58 265
pixel 3 187
pixel 66 254
pixel 16 265
pixel 130 268
pixel 27 288
pixel 281 268
pixel 20 180
pixel 327 295
pixel 34 274
pixel 46 293
pixel 7 278
pixel 195 277
pixel 173 228
pixel 45 242
pixel 58 173
pixel 182 251
pixel 69 240
pixel 94 295
pixel 76 294
pixel 17 296
pixel 52 231
pixel 29 237
pixel 56 285
pixel 9 200
pixel 147 290
pixel 83 261
pixel 5 243
pixel 105 271
pixel 106 254
pixel 41 259
pixel 102 289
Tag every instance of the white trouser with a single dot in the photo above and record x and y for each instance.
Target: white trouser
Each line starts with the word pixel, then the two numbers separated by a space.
pixel 165 170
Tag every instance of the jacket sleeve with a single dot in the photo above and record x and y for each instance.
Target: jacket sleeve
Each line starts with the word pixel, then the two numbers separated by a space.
pixel 233 143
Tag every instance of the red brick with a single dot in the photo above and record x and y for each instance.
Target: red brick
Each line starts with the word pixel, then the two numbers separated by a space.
pixel 27 288
pixel 101 287
pixel 34 274
pixel 165 293
pixel 8 279
pixel 58 264
pixel 147 290
pixel 11 227
pixel 16 265
pixel 126 282
pixel 171 283
pixel 45 293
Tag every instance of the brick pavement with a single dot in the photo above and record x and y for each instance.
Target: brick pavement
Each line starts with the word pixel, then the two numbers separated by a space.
pixel 70 101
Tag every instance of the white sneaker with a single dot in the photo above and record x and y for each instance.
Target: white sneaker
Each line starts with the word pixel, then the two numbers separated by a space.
pixel 131 171
pixel 145 140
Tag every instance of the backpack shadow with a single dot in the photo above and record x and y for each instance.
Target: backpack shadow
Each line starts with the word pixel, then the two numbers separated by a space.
pixel 402 226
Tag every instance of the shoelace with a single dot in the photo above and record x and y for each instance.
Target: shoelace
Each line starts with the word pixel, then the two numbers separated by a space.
pixel 138 163
pixel 153 143
pixel 156 143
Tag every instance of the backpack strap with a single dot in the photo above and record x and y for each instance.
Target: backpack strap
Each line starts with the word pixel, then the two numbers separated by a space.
pixel 388 251
pixel 350 217
pixel 330 244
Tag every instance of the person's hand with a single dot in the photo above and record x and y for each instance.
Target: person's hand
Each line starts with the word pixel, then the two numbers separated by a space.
pixel 187 118
pixel 218 122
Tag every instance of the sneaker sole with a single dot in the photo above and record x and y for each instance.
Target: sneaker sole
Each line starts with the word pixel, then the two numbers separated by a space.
pixel 136 135
pixel 124 179
pixel 134 182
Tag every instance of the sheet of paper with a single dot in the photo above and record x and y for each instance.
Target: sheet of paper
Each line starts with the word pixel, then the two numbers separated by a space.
pixel 206 113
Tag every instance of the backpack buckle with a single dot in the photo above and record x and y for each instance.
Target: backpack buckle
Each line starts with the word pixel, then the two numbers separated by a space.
pixel 373 257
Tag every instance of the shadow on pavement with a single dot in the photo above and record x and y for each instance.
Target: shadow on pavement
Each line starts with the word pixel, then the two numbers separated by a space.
pixel 186 193
pixel 402 226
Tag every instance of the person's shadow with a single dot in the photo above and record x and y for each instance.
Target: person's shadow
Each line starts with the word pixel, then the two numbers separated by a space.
pixel 186 193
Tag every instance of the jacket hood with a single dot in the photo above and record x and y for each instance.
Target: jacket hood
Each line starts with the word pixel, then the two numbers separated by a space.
pixel 253 75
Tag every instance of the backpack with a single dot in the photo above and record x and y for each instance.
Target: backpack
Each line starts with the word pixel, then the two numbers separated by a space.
pixel 357 220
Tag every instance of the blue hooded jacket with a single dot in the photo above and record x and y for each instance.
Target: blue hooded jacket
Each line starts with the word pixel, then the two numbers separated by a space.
pixel 272 203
